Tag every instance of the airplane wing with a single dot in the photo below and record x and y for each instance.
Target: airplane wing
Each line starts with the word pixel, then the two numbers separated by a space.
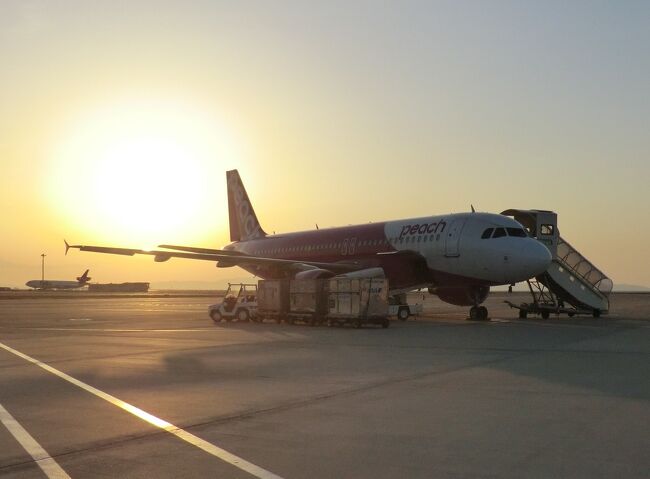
pixel 222 257
pixel 193 249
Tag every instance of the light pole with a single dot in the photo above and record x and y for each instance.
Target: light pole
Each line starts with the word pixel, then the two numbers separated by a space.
pixel 43 267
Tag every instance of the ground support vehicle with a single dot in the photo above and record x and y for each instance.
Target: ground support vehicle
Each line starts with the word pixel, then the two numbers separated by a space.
pixel 545 303
pixel 357 301
pixel 239 302
pixel 403 311
pixel 272 300
pixel 571 279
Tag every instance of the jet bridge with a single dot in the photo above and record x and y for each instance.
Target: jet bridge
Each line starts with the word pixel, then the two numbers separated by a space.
pixel 570 279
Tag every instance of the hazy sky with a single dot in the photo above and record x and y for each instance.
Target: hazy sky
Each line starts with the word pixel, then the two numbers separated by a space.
pixel 119 119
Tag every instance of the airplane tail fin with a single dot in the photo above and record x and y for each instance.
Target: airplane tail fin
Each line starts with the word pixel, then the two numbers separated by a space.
pixel 243 221
pixel 84 277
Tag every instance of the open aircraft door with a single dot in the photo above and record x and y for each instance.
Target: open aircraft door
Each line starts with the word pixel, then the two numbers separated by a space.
pixel 452 237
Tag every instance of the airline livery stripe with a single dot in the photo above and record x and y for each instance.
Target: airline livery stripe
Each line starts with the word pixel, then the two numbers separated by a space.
pixel 155 421
pixel 48 465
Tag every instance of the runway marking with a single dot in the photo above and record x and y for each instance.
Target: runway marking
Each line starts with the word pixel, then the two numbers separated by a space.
pixel 188 437
pixel 47 464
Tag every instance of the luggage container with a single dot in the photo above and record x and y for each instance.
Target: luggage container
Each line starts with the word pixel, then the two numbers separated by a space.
pixel 357 301
pixel 272 299
pixel 307 302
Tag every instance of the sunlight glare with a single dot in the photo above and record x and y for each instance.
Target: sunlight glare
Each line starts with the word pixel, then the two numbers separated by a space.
pixel 142 171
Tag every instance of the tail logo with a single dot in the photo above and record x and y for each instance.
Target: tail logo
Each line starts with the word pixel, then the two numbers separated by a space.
pixel 248 225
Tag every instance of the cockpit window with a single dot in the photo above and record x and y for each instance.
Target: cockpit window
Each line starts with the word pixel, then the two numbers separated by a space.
pixel 487 233
pixel 518 232
pixel 499 232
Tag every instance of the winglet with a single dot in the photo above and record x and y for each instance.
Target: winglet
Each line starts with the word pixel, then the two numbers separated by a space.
pixel 473 210
pixel 67 247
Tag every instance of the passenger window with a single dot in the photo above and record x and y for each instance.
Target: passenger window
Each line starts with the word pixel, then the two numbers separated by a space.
pixel 547 230
pixel 517 232
pixel 499 232
pixel 487 233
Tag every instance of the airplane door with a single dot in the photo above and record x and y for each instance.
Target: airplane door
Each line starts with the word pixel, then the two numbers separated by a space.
pixel 452 238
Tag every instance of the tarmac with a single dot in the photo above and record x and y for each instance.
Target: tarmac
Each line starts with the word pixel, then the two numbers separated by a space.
pixel 147 386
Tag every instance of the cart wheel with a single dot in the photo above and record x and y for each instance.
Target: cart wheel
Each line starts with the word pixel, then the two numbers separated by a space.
pixel 483 313
pixel 216 316
pixel 545 314
pixel 523 314
pixel 403 313
pixel 243 315
pixel 571 314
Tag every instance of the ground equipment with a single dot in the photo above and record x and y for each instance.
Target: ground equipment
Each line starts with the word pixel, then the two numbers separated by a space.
pixel 239 302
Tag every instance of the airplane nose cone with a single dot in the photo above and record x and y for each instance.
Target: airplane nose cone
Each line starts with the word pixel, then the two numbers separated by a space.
pixel 531 259
pixel 537 258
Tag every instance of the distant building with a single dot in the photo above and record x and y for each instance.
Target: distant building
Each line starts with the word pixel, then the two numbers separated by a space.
pixel 119 288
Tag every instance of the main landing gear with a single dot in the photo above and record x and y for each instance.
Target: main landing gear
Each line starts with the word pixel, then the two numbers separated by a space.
pixel 478 313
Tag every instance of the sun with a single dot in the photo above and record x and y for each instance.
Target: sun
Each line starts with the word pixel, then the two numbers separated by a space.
pixel 148 184
pixel 142 171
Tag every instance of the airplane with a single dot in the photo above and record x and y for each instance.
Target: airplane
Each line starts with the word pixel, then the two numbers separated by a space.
pixel 56 284
pixel 456 256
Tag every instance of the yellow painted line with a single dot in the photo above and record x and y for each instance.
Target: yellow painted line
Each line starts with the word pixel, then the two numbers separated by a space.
pixel 188 437
pixel 47 464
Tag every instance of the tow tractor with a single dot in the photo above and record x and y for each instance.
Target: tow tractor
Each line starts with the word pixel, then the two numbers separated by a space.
pixel 239 302
pixel 398 306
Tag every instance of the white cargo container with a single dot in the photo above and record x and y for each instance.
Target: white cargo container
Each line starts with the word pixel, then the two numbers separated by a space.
pixel 357 301
pixel 306 300
pixel 272 299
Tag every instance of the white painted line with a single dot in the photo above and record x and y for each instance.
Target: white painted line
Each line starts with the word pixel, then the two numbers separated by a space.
pixel 114 330
pixel 48 465
pixel 188 437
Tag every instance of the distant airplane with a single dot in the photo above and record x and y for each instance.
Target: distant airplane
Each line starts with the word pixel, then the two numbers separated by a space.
pixel 456 256
pixel 56 284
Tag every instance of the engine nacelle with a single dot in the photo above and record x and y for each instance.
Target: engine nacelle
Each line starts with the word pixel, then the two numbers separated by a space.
pixel 462 295
pixel 316 273
pixel 364 273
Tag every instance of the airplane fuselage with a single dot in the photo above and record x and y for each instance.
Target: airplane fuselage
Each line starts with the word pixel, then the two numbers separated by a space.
pixel 40 284
pixel 428 251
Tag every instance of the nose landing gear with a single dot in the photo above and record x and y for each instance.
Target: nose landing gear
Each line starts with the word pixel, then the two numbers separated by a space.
pixel 478 313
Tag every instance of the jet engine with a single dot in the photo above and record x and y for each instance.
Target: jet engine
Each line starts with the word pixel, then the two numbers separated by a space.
pixel 462 295
pixel 364 273
pixel 316 273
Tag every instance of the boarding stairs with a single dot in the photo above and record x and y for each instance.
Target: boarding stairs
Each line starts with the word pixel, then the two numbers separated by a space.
pixel 570 279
